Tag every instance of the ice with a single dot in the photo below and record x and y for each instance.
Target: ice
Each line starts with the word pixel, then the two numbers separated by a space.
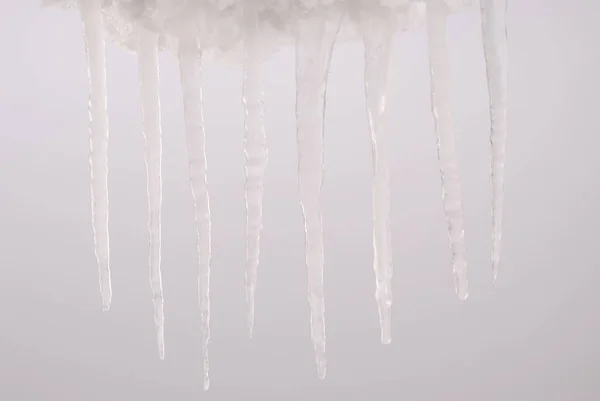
pixel 256 154
pixel 149 85
pixel 377 28
pixel 247 32
pixel 91 14
pixel 190 60
pixel 493 18
pixel 315 39
pixel 451 193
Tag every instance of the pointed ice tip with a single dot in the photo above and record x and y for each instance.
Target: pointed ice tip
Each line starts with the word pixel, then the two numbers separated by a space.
pixel 161 352
pixel 106 303
pixel 105 294
pixel 206 383
pixel 250 325
pixel 461 285
pixel 386 332
pixel 495 263
pixel 322 371
pixel 462 291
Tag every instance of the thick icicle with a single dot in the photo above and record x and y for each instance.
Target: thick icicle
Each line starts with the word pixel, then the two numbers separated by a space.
pixel 493 18
pixel 93 26
pixel 377 38
pixel 315 40
pixel 149 85
pixel 190 56
pixel 451 193
pixel 256 156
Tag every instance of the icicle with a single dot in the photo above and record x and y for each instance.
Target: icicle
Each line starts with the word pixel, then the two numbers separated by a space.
pixel 190 56
pixel 149 85
pixel 93 26
pixel 451 193
pixel 315 40
pixel 493 18
pixel 256 157
pixel 377 37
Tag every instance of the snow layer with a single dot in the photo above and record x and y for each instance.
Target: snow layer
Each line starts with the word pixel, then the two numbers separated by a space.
pixel 219 24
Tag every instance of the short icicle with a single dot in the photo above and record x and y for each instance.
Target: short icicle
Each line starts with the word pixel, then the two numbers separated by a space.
pixel 190 56
pixel 256 155
pixel 315 40
pixel 451 192
pixel 151 123
pixel 495 45
pixel 93 27
pixel 377 37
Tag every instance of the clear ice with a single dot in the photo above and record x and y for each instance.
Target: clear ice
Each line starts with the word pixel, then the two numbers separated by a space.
pixel 190 64
pixel 440 103
pixel 93 27
pixel 315 39
pixel 149 86
pixel 495 45
pixel 377 30
pixel 248 31
pixel 256 152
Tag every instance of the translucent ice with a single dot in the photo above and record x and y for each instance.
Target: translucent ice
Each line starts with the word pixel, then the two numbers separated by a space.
pixel 377 28
pixel 451 195
pixel 91 14
pixel 493 18
pixel 247 32
pixel 315 38
pixel 256 152
pixel 190 58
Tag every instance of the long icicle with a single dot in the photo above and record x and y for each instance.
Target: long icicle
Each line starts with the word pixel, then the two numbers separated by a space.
pixel 190 56
pixel 377 38
pixel 151 122
pixel 495 45
pixel 256 156
pixel 93 27
pixel 451 192
pixel 315 40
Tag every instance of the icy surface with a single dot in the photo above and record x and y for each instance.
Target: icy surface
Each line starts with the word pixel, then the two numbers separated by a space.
pixel 493 18
pixel 96 62
pixel 149 85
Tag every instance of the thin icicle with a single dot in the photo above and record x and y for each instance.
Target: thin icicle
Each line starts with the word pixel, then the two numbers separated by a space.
pixel 451 193
pixel 149 85
pixel 377 38
pixel 256 157
pixel 190 56
pixel 315 40
pixel 495 44
pixel 93 27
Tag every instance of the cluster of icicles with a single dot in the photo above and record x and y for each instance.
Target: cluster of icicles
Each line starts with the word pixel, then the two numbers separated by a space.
pixel 191 29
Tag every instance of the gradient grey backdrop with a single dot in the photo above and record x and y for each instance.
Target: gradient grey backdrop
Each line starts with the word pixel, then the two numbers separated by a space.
pixel 534 337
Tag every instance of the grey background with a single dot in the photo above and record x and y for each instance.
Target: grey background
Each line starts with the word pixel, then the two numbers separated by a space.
pixel 534 337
